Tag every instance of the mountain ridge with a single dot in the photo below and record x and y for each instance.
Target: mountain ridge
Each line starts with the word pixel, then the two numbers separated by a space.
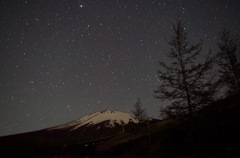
pixel 111 118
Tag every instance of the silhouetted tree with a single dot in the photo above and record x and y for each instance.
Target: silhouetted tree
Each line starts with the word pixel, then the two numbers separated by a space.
pixel 185 81
pixel 139 111
pixel 228 62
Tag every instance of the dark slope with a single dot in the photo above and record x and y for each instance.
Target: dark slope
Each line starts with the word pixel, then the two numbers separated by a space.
pixel 212 132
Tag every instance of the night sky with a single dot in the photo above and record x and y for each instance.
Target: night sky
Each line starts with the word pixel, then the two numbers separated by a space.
pixel 63 59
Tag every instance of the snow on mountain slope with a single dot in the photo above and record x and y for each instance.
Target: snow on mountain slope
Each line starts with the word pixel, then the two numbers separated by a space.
pixel 109 117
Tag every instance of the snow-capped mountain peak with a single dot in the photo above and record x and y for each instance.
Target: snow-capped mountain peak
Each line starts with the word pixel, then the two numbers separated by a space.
pixel 110 119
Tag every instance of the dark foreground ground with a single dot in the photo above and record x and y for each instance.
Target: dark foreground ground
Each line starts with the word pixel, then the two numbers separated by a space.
pixel 212 132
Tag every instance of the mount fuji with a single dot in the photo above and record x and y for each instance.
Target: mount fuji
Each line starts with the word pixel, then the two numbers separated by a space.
pixel 82 135
pixel 105 119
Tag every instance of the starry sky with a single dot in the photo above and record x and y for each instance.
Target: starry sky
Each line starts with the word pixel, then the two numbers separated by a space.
pixel 63 59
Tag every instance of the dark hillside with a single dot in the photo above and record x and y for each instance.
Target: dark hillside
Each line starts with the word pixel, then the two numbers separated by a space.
pixel 212 132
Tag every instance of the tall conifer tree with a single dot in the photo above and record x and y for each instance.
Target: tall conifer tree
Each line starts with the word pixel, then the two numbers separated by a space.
pixel 228 62
pixel 185 81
